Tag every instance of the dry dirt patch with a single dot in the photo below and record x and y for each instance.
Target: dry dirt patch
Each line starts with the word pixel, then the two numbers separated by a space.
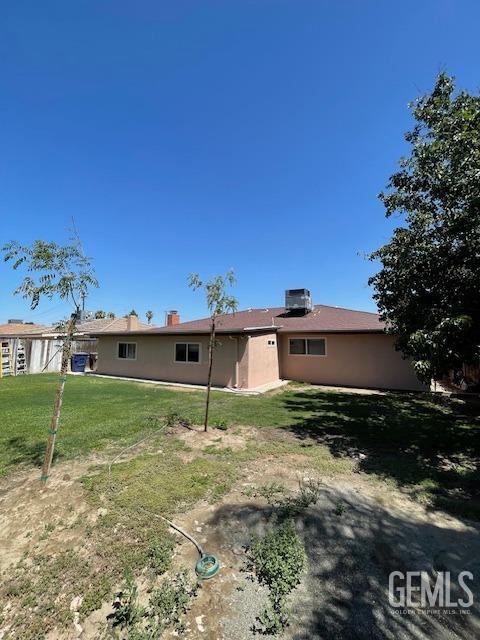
pixel 355 535
pixel 31 511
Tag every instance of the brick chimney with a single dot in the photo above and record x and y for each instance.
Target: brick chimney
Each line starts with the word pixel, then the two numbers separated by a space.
pixel 172 318
pixel 132 323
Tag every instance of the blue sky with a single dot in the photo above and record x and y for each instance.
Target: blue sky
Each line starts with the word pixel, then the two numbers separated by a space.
pixel 199 135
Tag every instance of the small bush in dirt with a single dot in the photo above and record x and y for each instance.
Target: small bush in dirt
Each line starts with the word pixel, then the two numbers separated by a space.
pixel 126 610
pixel 172 419
pixel 221 424
pixel 339 509
pixel 175 419
pixel 168 605
pixel 95 596
pixel 279 560
pixel 271 491
pixel 160 554
pixel 166 608
pixel 273 619
pixel 308 494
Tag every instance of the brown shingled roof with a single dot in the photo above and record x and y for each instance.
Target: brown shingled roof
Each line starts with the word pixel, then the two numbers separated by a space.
pixel 322 319
pixel 19 328
pixel 100 326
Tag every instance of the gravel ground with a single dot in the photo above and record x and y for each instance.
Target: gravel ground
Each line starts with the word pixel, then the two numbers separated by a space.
pixel 355 535
pixel 352 550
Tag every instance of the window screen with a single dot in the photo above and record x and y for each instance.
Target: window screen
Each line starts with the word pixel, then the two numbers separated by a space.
pixel 316 347
pixel 127 350
pixel 187 352
pixel 181 352
pixel 193 352
pixel 297 346
pixel 307 347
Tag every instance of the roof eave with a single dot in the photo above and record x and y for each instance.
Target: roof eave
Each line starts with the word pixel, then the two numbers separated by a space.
pixel 188 332
pixel 287 330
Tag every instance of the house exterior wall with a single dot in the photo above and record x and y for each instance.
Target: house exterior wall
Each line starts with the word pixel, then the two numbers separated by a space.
pixel 156 359
pixel 354 360
pixel 262 360
pixel 241 377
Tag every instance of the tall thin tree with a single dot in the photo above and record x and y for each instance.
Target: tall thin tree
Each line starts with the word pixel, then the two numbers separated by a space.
pixel 53 271
pixel 149 316
pixel 218 303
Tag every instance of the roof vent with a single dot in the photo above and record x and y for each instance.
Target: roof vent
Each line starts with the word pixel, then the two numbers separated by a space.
pixel 298 300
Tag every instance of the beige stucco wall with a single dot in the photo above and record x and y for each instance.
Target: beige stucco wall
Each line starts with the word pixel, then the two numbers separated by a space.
pixel 156 355
pixel 355 360
pixel 262 360
pixel 240 361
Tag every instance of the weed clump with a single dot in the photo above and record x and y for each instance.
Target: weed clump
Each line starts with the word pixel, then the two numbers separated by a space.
pixel 279 560
pixel 166 608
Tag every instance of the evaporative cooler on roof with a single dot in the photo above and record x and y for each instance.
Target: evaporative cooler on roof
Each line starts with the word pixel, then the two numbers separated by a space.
pixel 298 300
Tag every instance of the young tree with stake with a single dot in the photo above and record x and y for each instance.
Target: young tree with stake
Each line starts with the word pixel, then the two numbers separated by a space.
pixel 218 302
pixel 57 272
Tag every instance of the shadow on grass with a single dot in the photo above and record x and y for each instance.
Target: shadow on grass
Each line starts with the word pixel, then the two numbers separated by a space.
pixel 430 444
pixel 350 557
pixel 21 452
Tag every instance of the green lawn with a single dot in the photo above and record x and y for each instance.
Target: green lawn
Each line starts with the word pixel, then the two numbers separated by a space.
pixel 98 412
pixel 430 445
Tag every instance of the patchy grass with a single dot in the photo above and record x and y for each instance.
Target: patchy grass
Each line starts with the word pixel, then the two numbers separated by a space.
pixel 309 455
pixel 125 538
pixel 428 445
pixel 42 586
pixel 161 483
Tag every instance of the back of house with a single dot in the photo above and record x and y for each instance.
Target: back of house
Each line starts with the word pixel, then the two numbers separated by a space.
pixel 300 341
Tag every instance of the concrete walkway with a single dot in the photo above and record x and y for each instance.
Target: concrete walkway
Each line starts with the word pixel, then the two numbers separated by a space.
pixel 255 391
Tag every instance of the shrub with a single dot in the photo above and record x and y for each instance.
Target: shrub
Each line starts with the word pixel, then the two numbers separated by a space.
pixel 126 610
pixel 279 560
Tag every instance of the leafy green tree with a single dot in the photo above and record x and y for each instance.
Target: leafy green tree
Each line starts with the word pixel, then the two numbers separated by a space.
pixel 53 271
pixel 110 315
pixel 428 288
pixel 100 314
pixel 132 313
pixel 218 303
pixel 149 316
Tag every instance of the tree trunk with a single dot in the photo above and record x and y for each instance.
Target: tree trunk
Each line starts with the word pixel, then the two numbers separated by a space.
pixel 211 347
pixel 57 407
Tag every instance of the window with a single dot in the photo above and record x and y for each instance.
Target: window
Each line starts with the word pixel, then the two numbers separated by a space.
pixel 271 343
pixel 187 352
pixel 297 347
pixel 127 350
pixel 316 347
pixel 307 347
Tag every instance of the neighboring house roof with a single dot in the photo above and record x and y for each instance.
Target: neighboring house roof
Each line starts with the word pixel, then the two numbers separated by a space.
pixel 13 329
pixel 322 318
pixel 96 327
